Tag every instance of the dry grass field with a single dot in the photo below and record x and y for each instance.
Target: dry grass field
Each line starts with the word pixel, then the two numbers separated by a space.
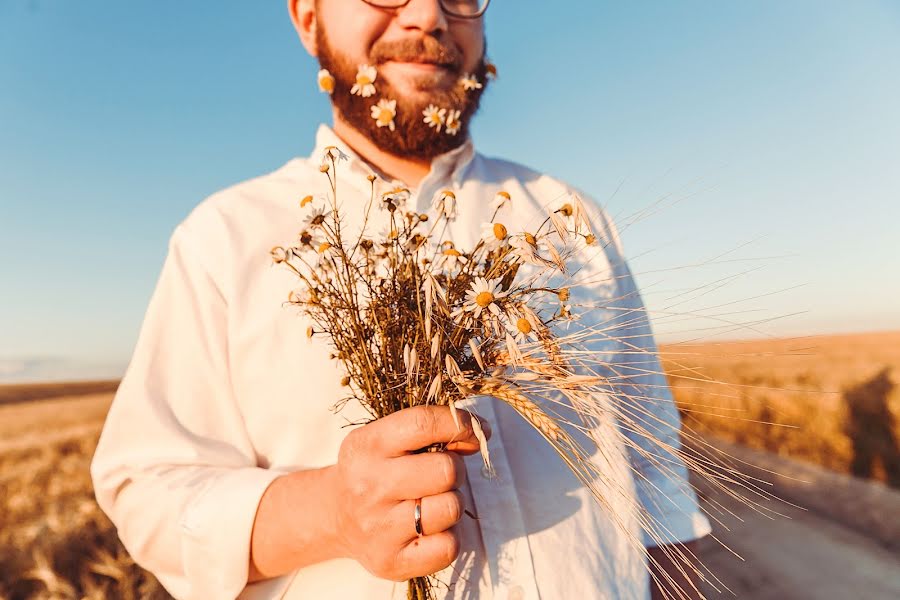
pixel 54 540
pixel 832 401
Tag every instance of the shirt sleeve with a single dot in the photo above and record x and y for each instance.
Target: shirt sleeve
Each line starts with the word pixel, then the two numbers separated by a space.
pixel 647 414
pixel 174 469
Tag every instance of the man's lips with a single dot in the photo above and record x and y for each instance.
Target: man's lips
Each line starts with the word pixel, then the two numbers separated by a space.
pixel 423 64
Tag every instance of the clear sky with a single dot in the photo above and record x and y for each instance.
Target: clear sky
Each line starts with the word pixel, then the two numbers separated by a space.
pixel 767 131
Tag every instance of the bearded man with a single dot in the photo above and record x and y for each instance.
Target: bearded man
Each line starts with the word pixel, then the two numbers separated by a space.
pixel 221 463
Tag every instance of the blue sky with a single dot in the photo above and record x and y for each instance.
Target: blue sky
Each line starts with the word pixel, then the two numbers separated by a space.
pixel 767 131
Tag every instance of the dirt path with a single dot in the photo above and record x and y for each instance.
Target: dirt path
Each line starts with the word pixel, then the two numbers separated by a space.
pixel 824 553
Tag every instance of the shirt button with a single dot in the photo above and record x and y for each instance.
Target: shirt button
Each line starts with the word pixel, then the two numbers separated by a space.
pixel 516 593
pixel 485 472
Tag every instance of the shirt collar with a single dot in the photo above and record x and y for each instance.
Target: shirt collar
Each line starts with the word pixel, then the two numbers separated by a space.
pixel 451 165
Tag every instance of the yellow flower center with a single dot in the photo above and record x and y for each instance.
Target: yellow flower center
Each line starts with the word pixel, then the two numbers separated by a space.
pixel 327 83
pixel 503 194
pixel 363 80
pixel 323 247
pixel 499 231
pixel 530 239
pixel 385 115
pixel 452 252
pixel 306 200
pixel 483 299
pixel 590 239
pixel 523 325
pixel 563 294
pixel 566 209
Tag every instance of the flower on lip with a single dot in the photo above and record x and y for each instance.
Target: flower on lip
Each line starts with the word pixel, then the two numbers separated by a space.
pixel 365 80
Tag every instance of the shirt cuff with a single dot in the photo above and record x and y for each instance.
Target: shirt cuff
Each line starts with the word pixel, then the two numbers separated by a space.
pixel 217 526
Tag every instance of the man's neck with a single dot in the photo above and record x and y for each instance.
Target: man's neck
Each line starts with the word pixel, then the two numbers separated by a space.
pixel 409 171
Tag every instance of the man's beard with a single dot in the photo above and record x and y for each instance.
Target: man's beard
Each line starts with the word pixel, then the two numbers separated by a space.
pixel 411 137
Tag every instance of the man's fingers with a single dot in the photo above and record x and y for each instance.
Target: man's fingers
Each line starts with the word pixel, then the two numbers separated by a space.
pixel 429 554
pixel 426 474
pixel 439 513
pixel 418 427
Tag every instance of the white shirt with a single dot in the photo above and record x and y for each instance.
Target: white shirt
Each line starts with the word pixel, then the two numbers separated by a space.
pixel 224 393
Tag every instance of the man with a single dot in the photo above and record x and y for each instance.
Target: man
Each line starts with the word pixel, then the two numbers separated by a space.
pixel 222 465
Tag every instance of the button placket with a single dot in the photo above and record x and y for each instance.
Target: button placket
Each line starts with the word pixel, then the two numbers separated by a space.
pixel 500 516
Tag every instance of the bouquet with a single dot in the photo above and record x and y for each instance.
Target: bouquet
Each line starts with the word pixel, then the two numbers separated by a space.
pixel 414 320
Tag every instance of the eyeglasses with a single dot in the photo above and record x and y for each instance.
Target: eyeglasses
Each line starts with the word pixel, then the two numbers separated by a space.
pixel 461 9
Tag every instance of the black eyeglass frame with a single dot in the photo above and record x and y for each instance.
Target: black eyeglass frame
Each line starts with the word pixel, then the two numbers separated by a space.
pixel 450 13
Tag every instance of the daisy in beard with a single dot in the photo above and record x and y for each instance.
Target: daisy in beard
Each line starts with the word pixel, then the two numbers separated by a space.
pixel 384 113
pixel 326 81
pixel 453 123
pixel 365 81
pixel 434 117
pixel 470 82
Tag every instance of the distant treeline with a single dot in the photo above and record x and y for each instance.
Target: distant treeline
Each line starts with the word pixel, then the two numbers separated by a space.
pixel 26 392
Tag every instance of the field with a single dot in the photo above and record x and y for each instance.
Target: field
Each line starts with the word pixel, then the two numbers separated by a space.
pixel 829 400
pixel 826 400
pixel 54 540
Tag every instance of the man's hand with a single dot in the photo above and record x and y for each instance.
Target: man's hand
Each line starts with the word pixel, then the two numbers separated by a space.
pixel 363 507
pixel 379 476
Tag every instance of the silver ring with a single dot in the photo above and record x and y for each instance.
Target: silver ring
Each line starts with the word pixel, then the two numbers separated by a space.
pixel 418 517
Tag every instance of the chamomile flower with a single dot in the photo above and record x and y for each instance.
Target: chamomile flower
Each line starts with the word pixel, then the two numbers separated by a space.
pixel 308 239
pixel 470 82
pixel 417 245
pixel 365 81
pixel 434 117
pixel 445 203
pixel 384 113
pixel 395 198
pixel 494 235
pixel 452 124
pixel 450 258
pixel 502 200
pixel 333 153
pixel 490 70
pixel 521 328
pixel 279 254
pixel 484 296
pixel 316 218
pixel 326 81
pixel 525 248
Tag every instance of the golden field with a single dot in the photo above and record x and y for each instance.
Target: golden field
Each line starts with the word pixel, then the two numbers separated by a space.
pixel 54 540
pixel 827 400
